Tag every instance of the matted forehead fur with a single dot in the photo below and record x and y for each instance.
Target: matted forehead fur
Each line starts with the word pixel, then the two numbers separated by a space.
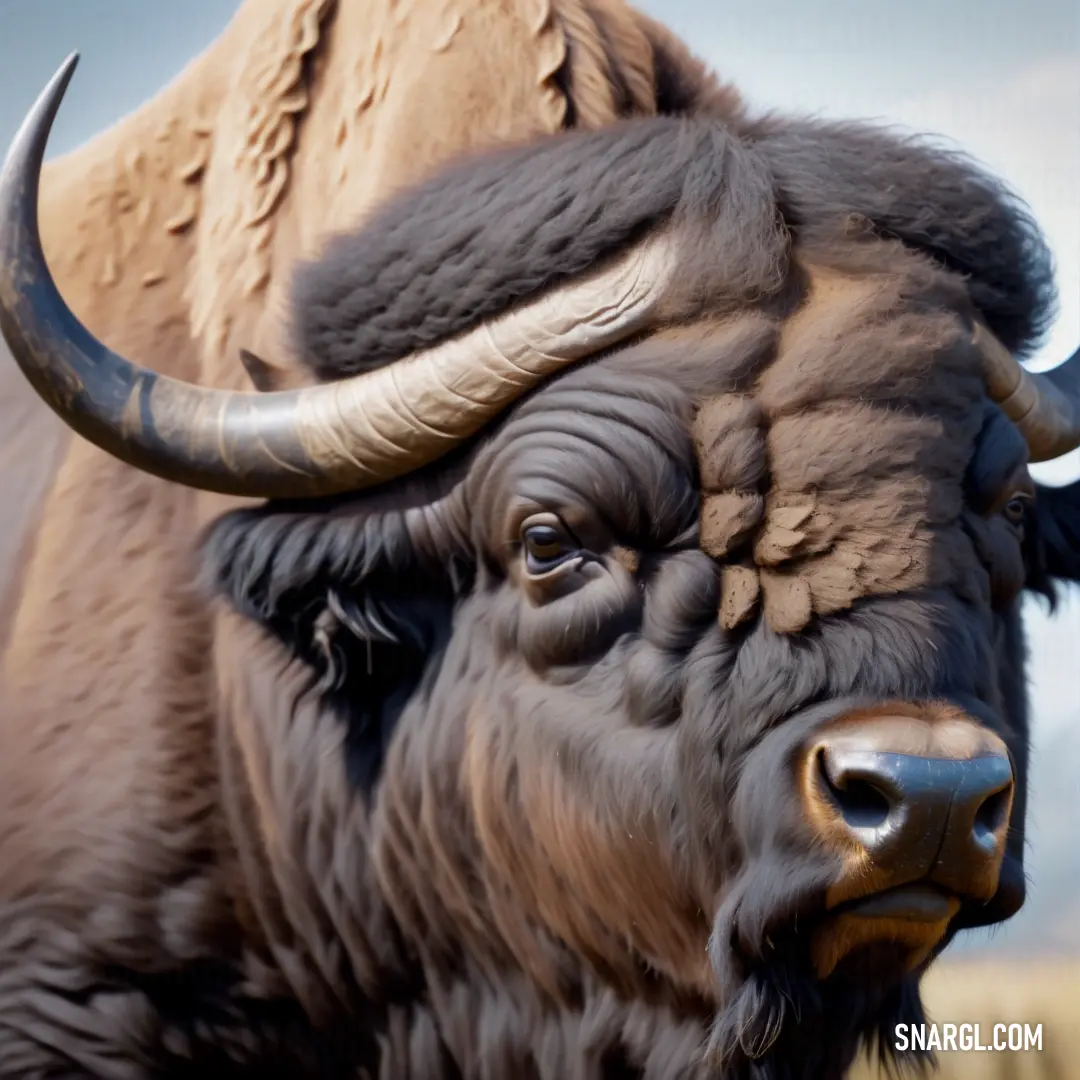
pixel 863 468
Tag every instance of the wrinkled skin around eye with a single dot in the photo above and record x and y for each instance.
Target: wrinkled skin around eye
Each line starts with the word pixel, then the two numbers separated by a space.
pixel 1001 495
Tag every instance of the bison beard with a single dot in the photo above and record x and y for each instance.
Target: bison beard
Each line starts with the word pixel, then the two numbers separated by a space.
pixel 401 602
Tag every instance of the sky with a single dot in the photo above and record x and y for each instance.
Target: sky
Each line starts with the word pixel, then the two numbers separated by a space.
pixel 997 77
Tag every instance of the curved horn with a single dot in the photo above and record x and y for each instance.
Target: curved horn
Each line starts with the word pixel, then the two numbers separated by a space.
pixel 1044 405
pixel 320 440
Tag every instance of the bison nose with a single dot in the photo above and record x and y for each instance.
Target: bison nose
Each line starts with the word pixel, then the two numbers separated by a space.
pixel 911 798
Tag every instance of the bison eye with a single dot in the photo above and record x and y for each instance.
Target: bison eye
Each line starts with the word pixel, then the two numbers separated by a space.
pixel 1015 509
pixel 547 545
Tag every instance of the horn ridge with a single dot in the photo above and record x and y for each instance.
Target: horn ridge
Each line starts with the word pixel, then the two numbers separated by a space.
pixel 1044 405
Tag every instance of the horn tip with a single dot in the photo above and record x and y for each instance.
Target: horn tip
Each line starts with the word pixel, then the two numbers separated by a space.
pixel 67 67
pixel 58 84
pixel 55 87
pixel 34 131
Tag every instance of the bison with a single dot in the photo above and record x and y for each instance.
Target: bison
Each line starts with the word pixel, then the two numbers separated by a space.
pixel 617 669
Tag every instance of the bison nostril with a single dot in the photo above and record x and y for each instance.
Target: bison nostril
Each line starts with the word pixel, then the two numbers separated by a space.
pixel 899 800
pixel 861 804
pixel 991 816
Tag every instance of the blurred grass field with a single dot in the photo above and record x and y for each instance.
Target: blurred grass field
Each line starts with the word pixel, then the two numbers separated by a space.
pixel 999 990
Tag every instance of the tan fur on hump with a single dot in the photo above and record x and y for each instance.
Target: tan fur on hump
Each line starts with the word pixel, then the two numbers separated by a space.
pixel 116 212
pixel 253 136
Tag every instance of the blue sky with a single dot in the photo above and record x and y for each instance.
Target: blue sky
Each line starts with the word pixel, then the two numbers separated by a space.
pixel 1002 78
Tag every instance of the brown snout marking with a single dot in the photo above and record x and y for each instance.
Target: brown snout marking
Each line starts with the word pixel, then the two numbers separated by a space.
pixel 916 799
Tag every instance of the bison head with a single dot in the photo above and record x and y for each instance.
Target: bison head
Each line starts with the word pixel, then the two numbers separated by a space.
pixel 681 692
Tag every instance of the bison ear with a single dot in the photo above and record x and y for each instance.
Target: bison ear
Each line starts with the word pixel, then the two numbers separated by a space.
pixel 1053 543
pixel 266 378
pixel 350 595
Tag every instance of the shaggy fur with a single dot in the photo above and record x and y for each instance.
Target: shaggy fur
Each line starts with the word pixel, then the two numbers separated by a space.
pixel 833 177
pixel 489 232
pixel 471 815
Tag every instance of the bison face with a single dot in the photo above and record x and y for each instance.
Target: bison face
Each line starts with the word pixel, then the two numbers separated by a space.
pixel 686 692
pixel 589 763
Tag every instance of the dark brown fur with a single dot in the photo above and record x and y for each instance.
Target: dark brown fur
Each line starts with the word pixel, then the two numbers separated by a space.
pixel 465 822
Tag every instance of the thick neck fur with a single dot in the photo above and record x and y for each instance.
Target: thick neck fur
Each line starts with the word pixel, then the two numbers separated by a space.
pixel 359 907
